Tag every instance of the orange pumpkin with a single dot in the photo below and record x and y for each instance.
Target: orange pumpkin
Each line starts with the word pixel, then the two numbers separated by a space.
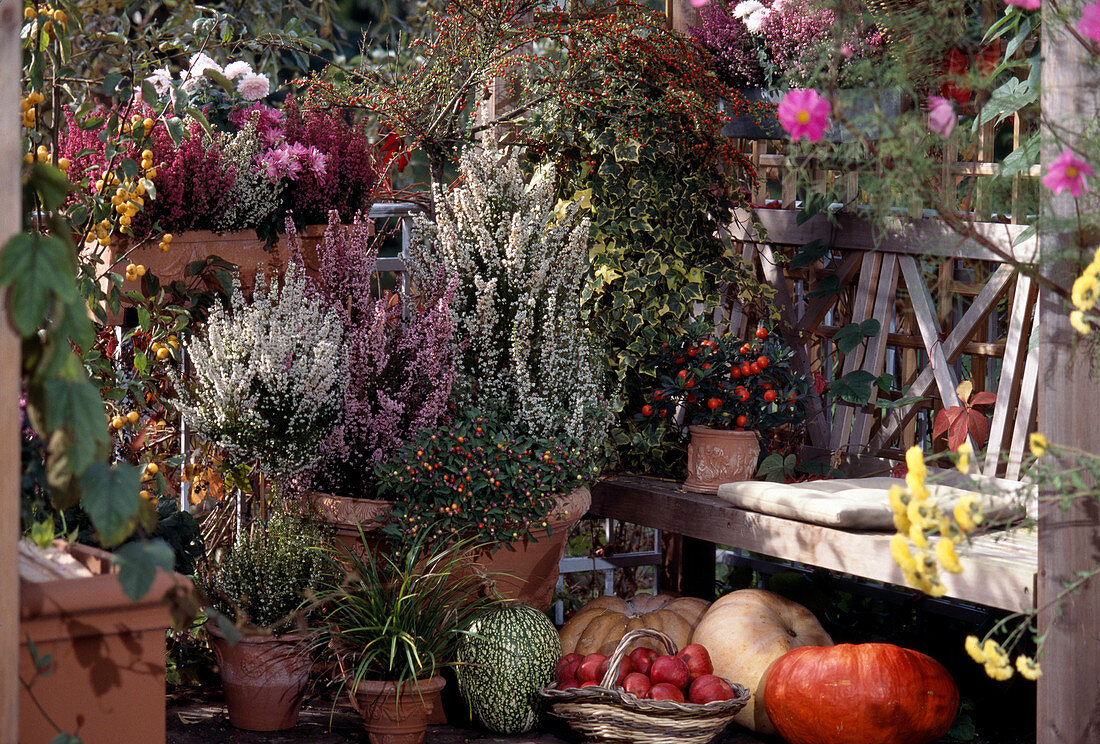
pixel 745 631
pixel 868 693
pixel 601 624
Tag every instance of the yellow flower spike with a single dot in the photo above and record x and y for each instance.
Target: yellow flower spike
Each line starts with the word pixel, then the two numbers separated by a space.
pixel 935 588
pixel 1028 667
pixel 948 558
pixel 1077 320
pixel 916 534
pixel 899 551
pixel 974 648
pixel 914 459
pixel 917 490
pixel 963 462
pixel 968 513
pixel 1038 444
pixel 950 530
pixel 921 514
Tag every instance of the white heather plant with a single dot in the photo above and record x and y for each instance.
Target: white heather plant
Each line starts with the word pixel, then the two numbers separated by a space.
pixel 253 197
pixel 268 376
pixel 521 264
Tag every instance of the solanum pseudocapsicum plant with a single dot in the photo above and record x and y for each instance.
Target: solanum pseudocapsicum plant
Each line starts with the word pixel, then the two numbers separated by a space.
pixel 724 382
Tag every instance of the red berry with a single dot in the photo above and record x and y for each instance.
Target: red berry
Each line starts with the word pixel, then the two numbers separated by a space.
pixel 714 403
pixel 682 374
pixel 754 368
pixel 743 396
pixel 745 349
pixel 735 372
pixel 746 369
pixel 761 333
pixel 762 361
pixel 769 396
pixel 647 410
pixel 689 383
pixel 742 420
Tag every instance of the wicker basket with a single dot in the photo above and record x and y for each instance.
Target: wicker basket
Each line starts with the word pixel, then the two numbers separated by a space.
pixel 605 713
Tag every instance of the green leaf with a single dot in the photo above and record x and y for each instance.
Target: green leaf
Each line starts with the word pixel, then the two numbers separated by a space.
pixel 149 92
pixel 810 253
pixel 143 319
pixel 771 468
pixel 899 403
pixel 826 287
pixel 42 533
pixel 111 500
pixel 811 207
pixel 627 151
pixel 854 387
pixel 1022 158
pixel 138 562
pixel 73 403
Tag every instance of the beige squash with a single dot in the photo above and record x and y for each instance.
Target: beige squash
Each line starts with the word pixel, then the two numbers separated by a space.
pixel 745 631
pixel 601 624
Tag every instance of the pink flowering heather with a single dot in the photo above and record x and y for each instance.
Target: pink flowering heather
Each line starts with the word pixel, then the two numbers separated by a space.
pixel 1068 173
pixel 400 370
pixel 941 115
pixel 1025 4
pixel 727 39
pixel 798 36
pixel 345 178
pixel 1089 25
pixel 804 113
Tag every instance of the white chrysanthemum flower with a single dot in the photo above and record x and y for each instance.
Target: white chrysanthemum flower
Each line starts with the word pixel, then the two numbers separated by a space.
pixel 756 19
pixel 235 69
pixel 746 8
pixel 200 63
pixel 253 87
pixel 161 80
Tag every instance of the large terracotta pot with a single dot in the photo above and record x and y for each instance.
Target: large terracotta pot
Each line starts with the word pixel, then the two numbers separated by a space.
pixel 345 515
pixel 717 456
pixel 264 678
pixel 106 676
pixel 391 717
pixel 528 569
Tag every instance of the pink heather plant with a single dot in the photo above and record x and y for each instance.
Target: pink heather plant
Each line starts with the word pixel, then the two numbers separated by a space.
pixel 804 113
pixel 1089 25
pixel 728 40
pixel 400 370
pixel 941 115
pixel 798 35
pixel 1068 172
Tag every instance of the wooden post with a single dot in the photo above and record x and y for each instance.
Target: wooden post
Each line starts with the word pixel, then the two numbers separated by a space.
pixel 1069 691
pixel 11 15
pixel 681 15
pixel 688 566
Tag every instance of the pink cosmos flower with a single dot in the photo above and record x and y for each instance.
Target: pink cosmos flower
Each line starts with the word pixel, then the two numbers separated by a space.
pixel 1068 172
pixel 1025 4
pixel 804 113
pixel 1089 25
pixel 941 115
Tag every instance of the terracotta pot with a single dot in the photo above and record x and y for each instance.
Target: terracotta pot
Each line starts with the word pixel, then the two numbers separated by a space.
pixel 528 569
pixel 345 515
pixel 717 456
pixel 106 677
pixel 264 678
pixel 393 719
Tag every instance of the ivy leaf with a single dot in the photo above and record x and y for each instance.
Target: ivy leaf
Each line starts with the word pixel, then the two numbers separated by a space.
pixel 826 287
pixel 627 151
pixel 112 500
pixel 138 562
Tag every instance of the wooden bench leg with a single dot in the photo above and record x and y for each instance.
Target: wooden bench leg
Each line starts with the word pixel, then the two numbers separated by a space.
pixel 688 566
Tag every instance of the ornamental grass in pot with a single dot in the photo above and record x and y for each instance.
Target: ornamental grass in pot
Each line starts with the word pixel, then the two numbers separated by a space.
pixel 393 621
pixel 725 393
pixel 486 478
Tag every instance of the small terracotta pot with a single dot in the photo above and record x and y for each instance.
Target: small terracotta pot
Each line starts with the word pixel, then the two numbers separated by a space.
pixel 393 719
pixel 528 572
pixel 264 678
pixel 717 456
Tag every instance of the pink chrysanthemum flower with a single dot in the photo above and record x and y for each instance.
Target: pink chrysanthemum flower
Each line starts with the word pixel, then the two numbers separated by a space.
pixel 1068 172
pixel 941 115
pixel 253 87
pixel 1089 25
pixel 237 68
pixel 804 113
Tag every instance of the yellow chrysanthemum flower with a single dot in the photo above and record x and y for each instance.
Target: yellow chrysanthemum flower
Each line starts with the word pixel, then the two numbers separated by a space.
pixel 974 648
pixel 1038 444
pixel 914 459
pixel 963 462
pixel 995 653
pixel 1028 667
pixel 998 672
pixel 1085 290
pixel 1077 320
pixel 899 551
pixel 949 559
pixel 968 513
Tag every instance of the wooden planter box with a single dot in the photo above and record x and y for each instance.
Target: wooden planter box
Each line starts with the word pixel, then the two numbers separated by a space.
pixel 859 103
pixel 106 677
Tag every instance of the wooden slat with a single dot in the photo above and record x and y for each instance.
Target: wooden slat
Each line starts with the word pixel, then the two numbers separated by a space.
pixel 875 357
pixel 998 574
pixel 1011 370
pixel 913 237
pixel 11 18
pixel 1025 410
pixel 861 310
pixel 817 309
pixel 969 168
pixel 977 312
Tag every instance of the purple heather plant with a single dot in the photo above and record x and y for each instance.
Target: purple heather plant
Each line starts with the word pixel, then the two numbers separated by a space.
pixel 735 61
pixel 400 369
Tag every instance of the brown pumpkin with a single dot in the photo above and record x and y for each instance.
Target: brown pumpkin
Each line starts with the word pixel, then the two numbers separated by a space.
pixel 868 693
pixel 745 631
pixel 601 624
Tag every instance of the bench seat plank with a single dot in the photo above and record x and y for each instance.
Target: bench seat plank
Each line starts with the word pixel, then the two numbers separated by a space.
pixel 1000 566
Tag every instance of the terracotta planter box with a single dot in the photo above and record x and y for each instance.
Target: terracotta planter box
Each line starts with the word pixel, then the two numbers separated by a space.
pixel 106 680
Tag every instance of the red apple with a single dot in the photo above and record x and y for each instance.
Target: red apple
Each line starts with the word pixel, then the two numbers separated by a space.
pixel 666 691
pixel 588 683
pixel 637 684
pixel 697 660
pixel 567 666
pixel 643 659
pixel 592 668
pixel 670 669
pixel 626 666
pixel 708 688
pixel 567 683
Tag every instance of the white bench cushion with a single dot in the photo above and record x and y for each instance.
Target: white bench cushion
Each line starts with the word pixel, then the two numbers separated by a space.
pixel 864 503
